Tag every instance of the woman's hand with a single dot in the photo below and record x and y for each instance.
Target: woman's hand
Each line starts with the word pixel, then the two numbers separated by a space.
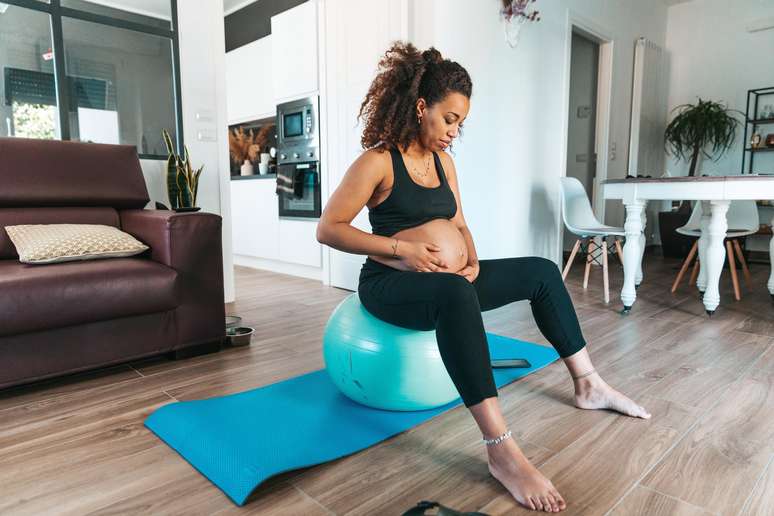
pixel 420 256
pixel 470 271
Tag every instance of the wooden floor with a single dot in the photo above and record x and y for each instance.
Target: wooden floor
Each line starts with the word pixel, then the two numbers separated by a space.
pixel 77 445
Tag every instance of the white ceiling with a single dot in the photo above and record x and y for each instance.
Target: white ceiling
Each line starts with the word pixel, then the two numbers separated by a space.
pixel 674 2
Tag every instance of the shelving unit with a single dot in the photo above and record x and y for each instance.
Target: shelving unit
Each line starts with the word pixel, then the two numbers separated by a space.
pixel 751 114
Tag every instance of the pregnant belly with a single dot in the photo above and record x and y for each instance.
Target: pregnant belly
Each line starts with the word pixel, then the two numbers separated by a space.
pixel 441 232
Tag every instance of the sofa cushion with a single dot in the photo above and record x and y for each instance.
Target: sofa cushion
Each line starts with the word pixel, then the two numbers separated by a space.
pixel 34 298
pixel 72 215
pixel 56 243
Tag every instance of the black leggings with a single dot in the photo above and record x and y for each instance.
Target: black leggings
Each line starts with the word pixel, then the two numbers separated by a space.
pixel 451 305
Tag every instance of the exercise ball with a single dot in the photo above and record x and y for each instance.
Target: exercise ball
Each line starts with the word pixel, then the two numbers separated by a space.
pixel 382 365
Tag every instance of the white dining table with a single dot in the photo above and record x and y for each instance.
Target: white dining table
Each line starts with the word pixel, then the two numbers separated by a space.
pixel 715 194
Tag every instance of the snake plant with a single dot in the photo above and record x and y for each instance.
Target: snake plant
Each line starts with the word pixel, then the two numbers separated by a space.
pixel 182 179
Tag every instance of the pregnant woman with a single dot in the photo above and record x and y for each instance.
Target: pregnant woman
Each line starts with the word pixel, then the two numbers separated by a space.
pixel 422 271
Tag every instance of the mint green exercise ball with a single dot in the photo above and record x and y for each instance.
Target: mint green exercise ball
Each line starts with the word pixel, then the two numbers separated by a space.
pixel 382 365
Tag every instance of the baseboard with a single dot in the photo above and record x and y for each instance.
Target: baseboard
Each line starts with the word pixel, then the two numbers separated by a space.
pixel 293 269
pixel 196 350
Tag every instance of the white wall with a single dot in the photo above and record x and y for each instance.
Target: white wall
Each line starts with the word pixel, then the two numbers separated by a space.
pixel 510 159
pixel 203 71
pixel 720 64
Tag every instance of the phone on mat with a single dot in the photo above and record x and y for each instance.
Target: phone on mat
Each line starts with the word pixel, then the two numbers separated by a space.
pixel 510 362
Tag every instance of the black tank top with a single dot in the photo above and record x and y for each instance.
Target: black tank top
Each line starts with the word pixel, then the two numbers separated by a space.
pixel 410 204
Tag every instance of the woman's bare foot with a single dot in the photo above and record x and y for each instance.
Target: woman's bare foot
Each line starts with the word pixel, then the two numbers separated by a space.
pixel 593 392
pixel 525 483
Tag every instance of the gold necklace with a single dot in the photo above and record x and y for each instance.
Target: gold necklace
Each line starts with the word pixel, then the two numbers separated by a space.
pixel 427 169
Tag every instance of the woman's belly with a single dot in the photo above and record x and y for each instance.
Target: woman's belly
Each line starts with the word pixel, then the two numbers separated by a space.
pixel 441 232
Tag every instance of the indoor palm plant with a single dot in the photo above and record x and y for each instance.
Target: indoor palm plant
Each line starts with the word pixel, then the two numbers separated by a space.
pixel 699 127
pixel 707 128
pixel 182 179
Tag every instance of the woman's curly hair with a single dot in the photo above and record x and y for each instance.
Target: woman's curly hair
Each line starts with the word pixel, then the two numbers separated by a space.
pixel 405 74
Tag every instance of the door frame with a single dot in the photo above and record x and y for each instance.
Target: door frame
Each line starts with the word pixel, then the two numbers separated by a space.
pixel 603 36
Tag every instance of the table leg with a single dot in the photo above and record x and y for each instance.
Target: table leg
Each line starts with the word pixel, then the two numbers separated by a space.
pixel 716 253
pixel 638 275
pixel 631 251
pixel 771 259
pixel 706 213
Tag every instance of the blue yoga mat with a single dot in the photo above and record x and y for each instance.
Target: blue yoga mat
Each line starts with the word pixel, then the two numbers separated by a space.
pixel 238 441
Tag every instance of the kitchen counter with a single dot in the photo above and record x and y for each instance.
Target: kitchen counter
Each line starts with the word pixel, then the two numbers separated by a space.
pixel 255 176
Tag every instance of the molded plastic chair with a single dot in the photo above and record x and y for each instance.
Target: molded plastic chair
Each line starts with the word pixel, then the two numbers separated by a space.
pixel 743 221
pixel 579 219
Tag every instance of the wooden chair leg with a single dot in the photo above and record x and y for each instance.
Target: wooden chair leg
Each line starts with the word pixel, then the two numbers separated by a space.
pixel 570 259
pixel 745 270
pixel 618 250
pixel 732 266
pixel 694 272
pixel 605 280
pixel 589 251
pixel 686 264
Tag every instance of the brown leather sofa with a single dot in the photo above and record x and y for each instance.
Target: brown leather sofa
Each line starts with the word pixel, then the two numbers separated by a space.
pixel 63 318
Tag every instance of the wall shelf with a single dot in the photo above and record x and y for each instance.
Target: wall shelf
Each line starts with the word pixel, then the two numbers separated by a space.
pixel 751 122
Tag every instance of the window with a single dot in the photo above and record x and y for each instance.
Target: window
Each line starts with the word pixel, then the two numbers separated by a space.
pixel 102 71
pixel 28 102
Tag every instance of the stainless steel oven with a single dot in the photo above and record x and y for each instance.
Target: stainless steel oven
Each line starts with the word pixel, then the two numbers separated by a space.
pixel 298 189
pixel 298 158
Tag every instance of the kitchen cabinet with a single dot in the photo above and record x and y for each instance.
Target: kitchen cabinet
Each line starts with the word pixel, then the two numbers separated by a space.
pixel 294 52
pixel 249 90
pixel 298 242
pixel 255 225
pixel 258 232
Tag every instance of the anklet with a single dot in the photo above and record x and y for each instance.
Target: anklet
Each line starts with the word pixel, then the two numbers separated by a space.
pixel 497 440
pixel 584 374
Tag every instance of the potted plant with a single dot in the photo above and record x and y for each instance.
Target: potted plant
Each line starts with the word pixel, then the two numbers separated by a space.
pixel 182 179
pixel 707 128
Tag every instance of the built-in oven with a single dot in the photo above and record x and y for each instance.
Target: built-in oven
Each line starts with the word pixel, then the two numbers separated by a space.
pixel 298 158
pixel 298 189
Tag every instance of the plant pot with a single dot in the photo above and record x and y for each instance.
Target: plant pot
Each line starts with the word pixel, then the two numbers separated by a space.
pixel 185 209
pixel 247 168
pixel 673 244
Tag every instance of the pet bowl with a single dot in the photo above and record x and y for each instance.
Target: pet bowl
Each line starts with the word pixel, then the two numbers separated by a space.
pixel 239 336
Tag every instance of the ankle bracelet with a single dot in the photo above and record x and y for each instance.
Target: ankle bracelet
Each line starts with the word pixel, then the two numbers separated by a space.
pixel 497 440
pixel 584 374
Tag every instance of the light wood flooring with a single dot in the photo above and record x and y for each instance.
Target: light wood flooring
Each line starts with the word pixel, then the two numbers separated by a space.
pixel 77 445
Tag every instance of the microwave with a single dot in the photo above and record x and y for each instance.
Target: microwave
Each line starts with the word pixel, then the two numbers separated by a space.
pixel 298 123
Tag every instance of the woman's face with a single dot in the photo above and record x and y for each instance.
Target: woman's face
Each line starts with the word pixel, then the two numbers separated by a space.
pixel 441 122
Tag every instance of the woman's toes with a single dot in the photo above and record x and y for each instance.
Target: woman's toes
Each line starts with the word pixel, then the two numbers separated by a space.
pixel 534 503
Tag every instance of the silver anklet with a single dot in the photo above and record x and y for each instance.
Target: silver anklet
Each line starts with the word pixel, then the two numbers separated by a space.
pixel 497 440
pixel 584 374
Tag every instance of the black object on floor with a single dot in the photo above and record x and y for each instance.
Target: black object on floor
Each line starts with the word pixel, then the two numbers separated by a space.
pixel 424 505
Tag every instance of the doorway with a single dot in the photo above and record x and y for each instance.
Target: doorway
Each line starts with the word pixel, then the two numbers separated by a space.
pixel 588 92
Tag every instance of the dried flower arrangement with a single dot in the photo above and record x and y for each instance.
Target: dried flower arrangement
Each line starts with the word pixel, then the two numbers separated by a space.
pixel 518 8
pixel 247 145
pixel 515 14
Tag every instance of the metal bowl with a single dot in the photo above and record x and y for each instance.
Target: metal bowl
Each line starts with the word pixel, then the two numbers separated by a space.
pixel 232 321
pixel 239 336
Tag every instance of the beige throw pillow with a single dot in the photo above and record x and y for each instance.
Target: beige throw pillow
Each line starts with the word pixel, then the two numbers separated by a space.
pixel 53 243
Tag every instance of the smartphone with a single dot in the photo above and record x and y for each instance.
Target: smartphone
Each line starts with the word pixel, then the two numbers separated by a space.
pixel 510 362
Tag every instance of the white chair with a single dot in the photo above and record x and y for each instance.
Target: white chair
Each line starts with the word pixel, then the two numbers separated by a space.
pixel 742 219
pixel 580 220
